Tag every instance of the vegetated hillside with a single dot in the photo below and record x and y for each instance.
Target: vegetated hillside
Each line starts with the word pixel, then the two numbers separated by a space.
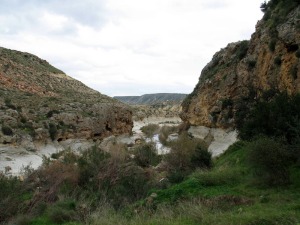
pixel 39 101
pixel 150 99
pixel 243 71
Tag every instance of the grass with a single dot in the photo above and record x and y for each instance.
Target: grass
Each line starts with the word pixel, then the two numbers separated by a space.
pixel 225 195
pixel 46 221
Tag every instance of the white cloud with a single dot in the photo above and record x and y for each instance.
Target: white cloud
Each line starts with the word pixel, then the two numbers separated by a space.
pixel 128 47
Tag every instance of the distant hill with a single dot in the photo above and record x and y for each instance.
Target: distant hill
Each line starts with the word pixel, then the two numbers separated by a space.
pixel 150 99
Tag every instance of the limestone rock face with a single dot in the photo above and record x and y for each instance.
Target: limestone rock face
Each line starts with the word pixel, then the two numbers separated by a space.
pixel 162 110
pixel 41 102
pixel 270 60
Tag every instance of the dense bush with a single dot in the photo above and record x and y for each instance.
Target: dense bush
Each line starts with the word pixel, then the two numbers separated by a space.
pixel 277 61
pixel 251 64
pixel 89 163
pixel 23 119
pixel 123 183
pixel 165 131
pixel 186 154
pixel 28 127
pixel 52 131
pixel 113 176
pixel 7 131
pixel 226 103
pixel 150 129
pixel 278 117
pixel 51 113
pixel 11 192
pixel 9 104
pixel 271 161
pixel 297 53
pixel 201 158
pixel 62 211
pixel 56 178
pixel 242 49
pixel 272 45
pixel 146 155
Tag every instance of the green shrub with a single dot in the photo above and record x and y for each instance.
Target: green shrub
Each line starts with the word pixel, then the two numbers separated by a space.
pixel 242 49
pixel 89 164
pixel 23 119
pixel 227 103
pixel 297 54
pixel 28 127
pixel 186 154
pixel 294 71
pixel 114 176
pixel 146 155
pixel 60 215
pixel 270 160
pixel 52 131
pixel 39 209
pixel 251 64
pixel 51 112
pixel 6 130
pixel 11 192
pixel 123 182
pixel 278 117
pixel 272 45
pixel 150 129
pixel 277 61
pixel 9 104
pixel 165 131
pixel 201 158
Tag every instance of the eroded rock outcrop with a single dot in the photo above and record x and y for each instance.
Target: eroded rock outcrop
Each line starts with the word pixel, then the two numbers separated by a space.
pixel 246 69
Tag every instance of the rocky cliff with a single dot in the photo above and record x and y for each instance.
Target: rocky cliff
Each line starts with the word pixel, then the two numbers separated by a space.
pixel 163 110
pixel 40 102
pixel 248 69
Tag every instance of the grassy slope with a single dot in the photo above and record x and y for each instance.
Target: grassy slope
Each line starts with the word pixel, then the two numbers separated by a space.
pixel 227 194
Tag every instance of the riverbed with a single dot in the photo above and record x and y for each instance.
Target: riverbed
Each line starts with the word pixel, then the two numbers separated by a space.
pixel 13 159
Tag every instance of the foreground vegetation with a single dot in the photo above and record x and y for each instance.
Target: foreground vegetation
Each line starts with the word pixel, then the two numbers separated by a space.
pixel 104 189
pixel 255 182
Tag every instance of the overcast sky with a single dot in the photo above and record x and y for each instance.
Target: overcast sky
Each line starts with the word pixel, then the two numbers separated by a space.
pixel 127 47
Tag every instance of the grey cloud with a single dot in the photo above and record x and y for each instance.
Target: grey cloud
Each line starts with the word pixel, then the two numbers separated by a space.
pixel 23 15
pixel 88 12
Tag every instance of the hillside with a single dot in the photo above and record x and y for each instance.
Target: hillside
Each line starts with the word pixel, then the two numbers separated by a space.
pixel 150 99
pixel 245 71
pixel 39 102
